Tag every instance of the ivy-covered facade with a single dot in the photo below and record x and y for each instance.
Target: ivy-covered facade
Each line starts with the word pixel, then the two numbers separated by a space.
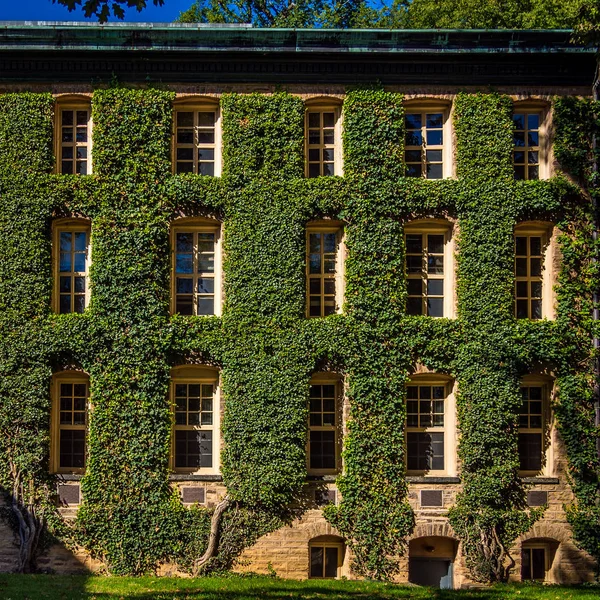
pixel 317 302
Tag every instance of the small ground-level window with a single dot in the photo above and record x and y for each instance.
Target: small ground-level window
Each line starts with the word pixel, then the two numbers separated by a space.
pixel 534 563
pixel 326 558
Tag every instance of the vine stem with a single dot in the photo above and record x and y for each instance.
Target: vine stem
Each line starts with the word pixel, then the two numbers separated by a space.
pixel 213 537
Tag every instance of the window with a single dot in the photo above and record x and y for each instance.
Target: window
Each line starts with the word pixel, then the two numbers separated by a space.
pixel 74 142
pixel 526 142
pixel 197 140
pixel 532 422
pixel 426 142
pixel 534 562
pixel 324 425
pixel 326 557
pixel 71 242
pixel 425 426
pixel 322 142
pixel 70 397
pixel 324 250
pixel 196 281
pixel 196 418
pixel 429 269
pixel 533 282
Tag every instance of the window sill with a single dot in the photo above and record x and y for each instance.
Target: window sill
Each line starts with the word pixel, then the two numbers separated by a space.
pixel 68 476
pixel 191 477
pixel 432 479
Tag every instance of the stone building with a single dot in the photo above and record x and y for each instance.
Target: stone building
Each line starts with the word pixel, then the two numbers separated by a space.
pixel 200 64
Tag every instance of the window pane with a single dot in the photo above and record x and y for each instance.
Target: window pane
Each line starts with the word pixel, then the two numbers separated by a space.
pixel 414 170
pixel 317 566
pixel 435 307
pixel 435 138
pixel 331 562
pixel 435 244
pixel 206 306
pixel 414 243
pixel 434 171
pixel 530 451
pixel 435 120
pixel 415 287
pixel 206 119
pixel 538 563
pixel 413 121
pixel 414 138
pixel 185 119
pixel 414 306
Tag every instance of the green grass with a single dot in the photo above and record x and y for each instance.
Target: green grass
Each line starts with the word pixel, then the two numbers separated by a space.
pixel 51 587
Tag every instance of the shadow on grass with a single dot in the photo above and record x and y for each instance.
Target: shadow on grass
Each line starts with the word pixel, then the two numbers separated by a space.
pixel 40 587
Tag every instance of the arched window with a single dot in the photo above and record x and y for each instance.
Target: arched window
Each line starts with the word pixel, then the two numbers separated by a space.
pixel 429 268
pixel 531 144
pixel 325 254
pixel 430 425
pixel 197 137
pixel 70 412
pixel 324 423
pixel 71 259
pixel 195 398
pixel 73 129
pixel 534 277
pixel 196 285
pixel 534 426
pixel 427 143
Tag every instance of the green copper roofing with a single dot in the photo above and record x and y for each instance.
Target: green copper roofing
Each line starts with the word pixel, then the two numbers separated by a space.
pixel 68 36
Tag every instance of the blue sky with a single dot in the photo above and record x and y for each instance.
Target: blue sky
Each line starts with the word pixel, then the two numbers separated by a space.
pixel 44 10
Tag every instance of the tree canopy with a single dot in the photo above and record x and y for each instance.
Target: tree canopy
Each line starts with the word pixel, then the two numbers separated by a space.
pixel 103 9
pixel 405 14
pixel 583 15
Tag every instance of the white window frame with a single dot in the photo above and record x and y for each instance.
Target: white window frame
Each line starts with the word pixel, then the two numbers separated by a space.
pixel 71 103
pixel 337 228
pixel 198 225
pixel 196 107
pixel 197 375
pixel 426 227
pixel 68 377
pixel 335 380
pixel 324 107
pixel 544 148
pixel 70 225
pixel 448 429
pixel 543 230
pixel 425 107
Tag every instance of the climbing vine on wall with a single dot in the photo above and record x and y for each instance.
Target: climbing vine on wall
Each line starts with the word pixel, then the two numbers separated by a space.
pixel 266 349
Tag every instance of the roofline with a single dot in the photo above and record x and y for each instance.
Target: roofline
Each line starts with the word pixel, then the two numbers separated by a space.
pixel 63 36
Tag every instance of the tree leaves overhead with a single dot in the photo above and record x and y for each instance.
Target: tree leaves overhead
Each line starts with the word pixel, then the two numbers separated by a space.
pixel 103 9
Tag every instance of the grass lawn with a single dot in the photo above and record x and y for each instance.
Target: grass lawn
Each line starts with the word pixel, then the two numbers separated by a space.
pixel 51 587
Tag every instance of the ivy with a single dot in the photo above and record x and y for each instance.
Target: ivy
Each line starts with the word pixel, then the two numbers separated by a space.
pixel 265 347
